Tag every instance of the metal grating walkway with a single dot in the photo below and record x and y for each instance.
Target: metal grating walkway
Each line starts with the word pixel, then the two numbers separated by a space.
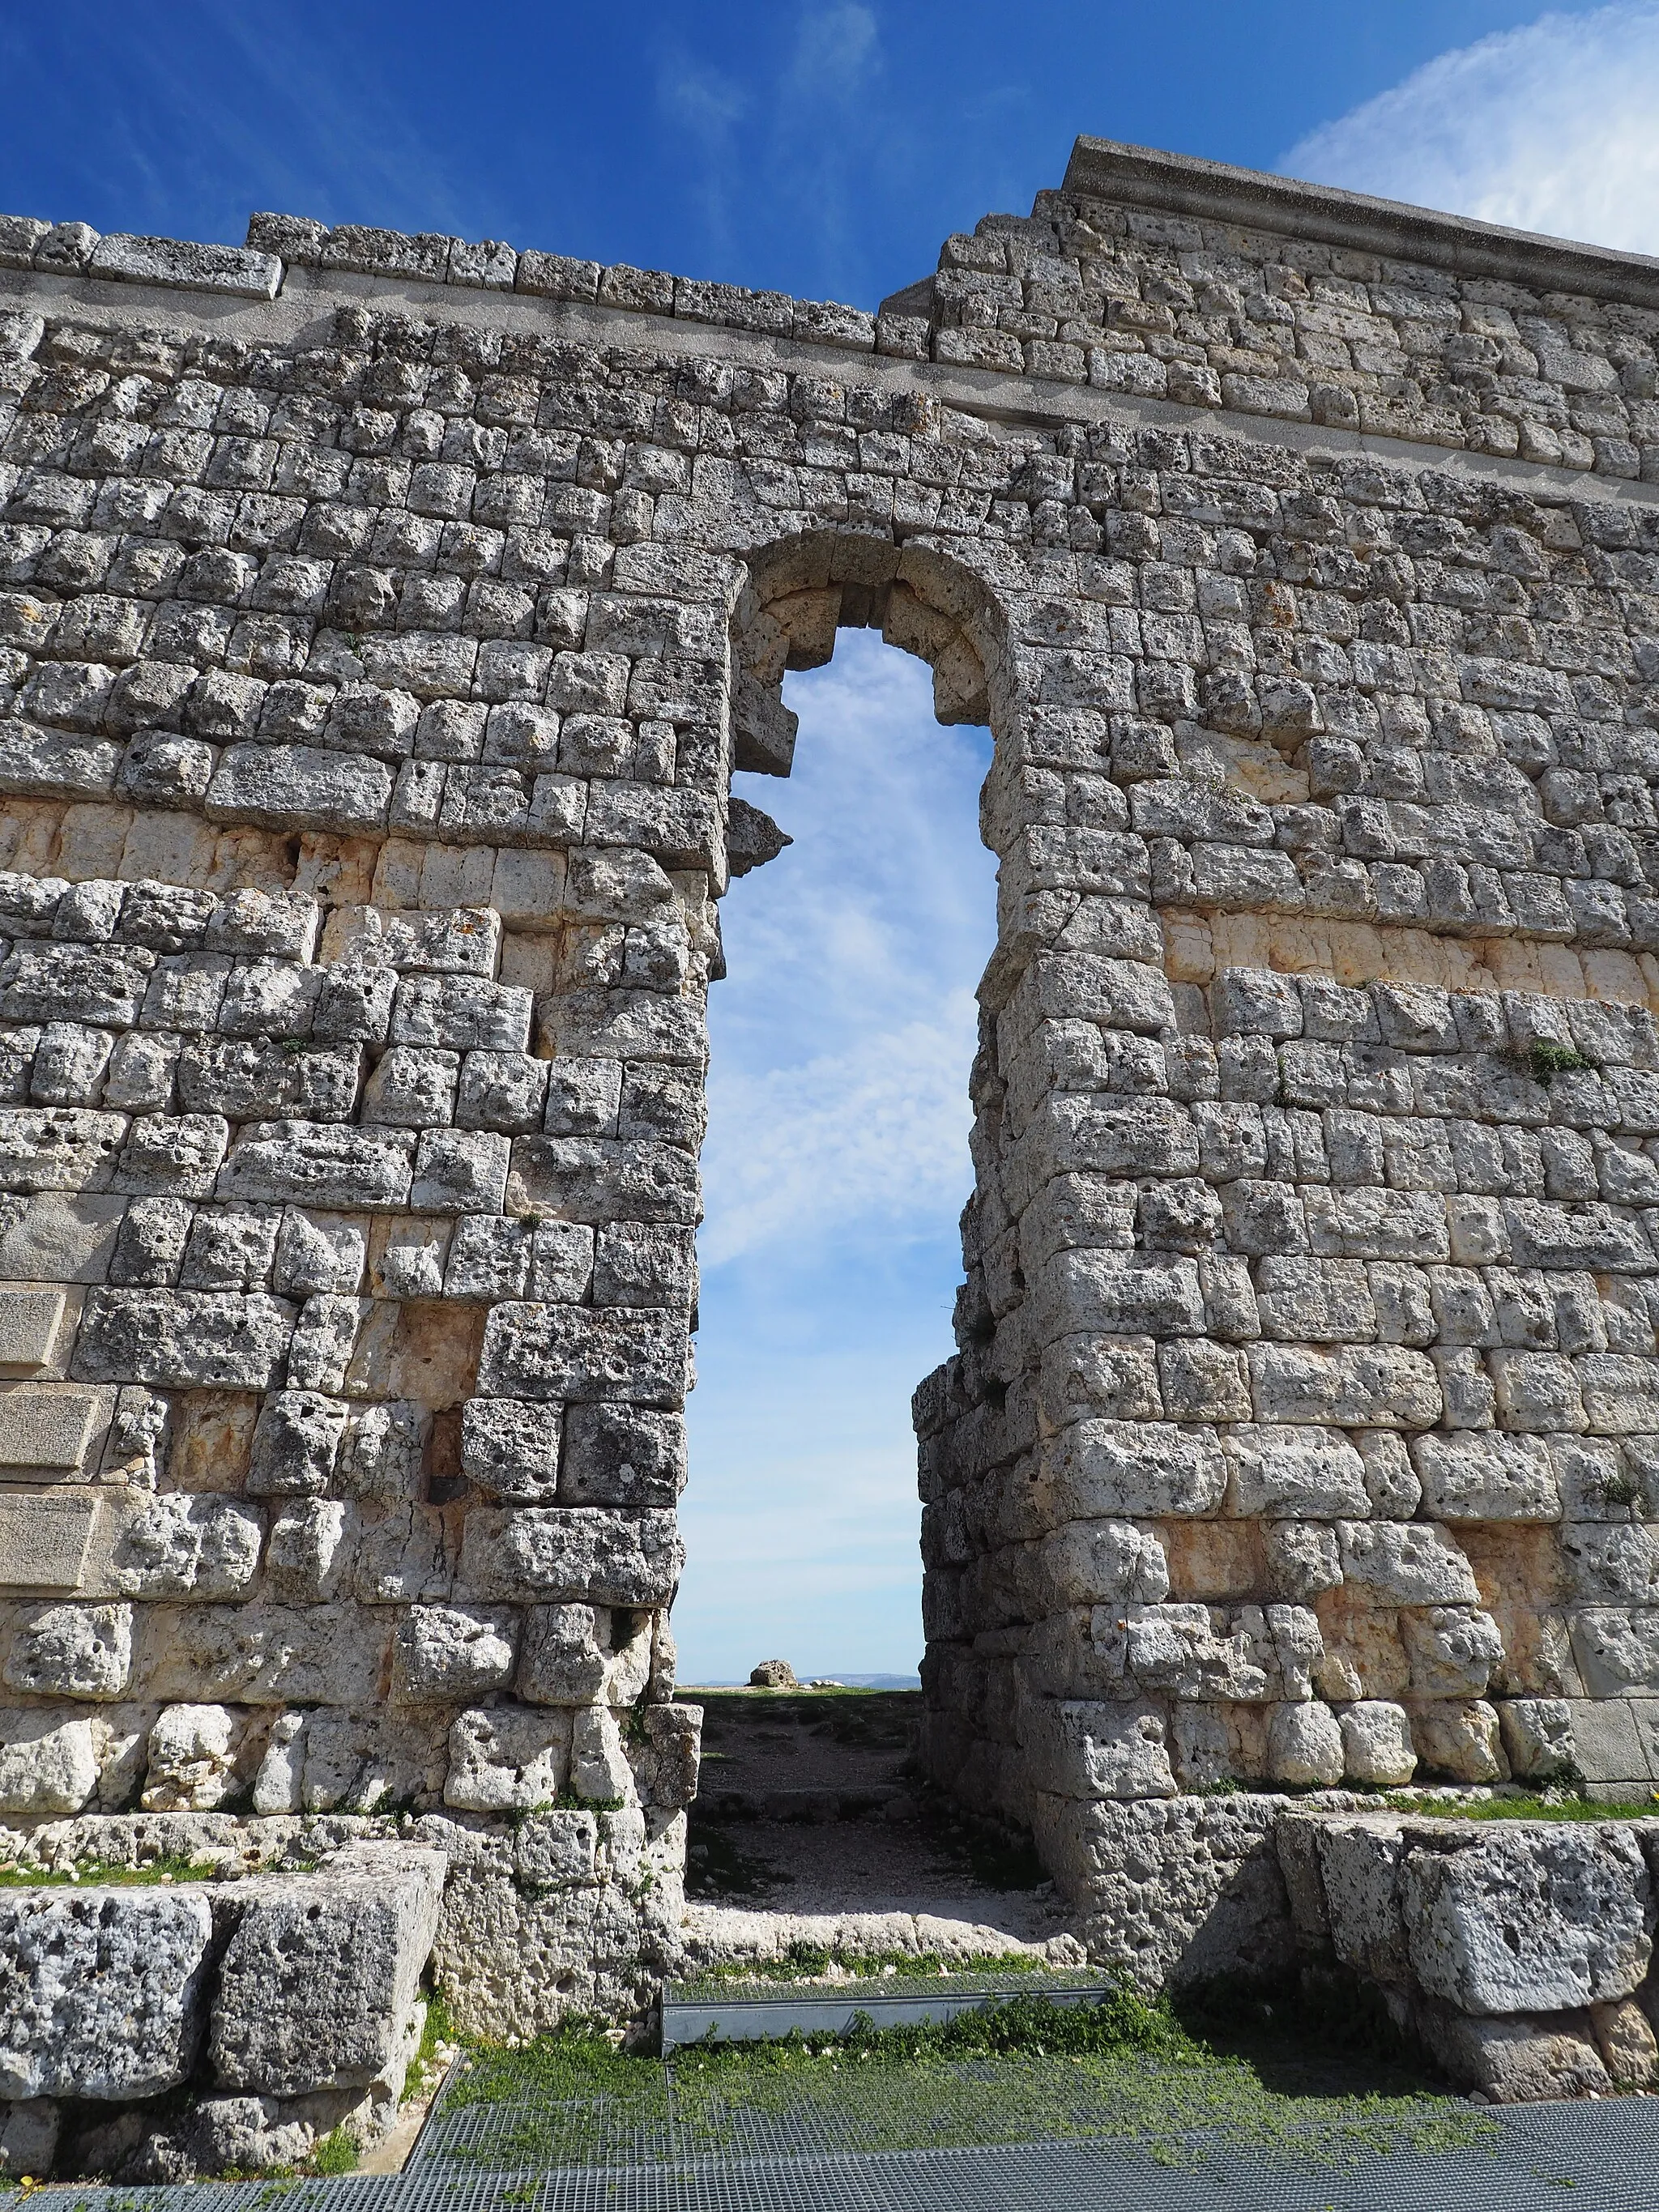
pixel 1599 2157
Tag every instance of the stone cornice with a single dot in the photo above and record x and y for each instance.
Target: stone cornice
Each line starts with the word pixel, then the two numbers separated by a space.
pixel 1214 191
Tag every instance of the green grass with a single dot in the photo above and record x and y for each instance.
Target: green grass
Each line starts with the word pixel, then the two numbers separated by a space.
pixel 1022 2071
pixel 1524 1809
pixel 335 2153
pixel 99 1873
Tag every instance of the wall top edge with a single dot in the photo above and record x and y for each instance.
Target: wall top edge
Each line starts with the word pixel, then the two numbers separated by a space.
pixel 1183 185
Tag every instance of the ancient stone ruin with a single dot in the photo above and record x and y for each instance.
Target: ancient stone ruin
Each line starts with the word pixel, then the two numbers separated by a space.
pixel 382 619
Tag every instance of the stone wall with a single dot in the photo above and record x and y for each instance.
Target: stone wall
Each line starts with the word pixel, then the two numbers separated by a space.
pixel 381 621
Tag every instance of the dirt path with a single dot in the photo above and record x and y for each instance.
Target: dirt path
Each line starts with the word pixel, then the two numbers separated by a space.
pixel 809 1829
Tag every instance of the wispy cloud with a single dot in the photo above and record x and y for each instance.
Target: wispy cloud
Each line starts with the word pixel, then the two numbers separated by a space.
pixel 835 49
pixel 838 1095
pixel 1553 127
pixel 835 1167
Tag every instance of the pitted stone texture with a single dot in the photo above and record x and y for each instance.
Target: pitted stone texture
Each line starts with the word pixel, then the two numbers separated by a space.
pixel 1530 1919
pixel 1176 1892
pixel 318 1983
pixel 102 1991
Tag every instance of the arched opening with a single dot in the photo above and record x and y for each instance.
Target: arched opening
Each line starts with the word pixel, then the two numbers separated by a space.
pixel 837 1160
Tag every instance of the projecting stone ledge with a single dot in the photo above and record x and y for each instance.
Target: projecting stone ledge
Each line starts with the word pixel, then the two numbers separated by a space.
pixel 1519 1952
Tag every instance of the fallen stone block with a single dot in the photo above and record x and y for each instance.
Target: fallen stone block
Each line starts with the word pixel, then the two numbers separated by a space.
pixel 321 1976
pixel 1528 1919
pixel 101 1991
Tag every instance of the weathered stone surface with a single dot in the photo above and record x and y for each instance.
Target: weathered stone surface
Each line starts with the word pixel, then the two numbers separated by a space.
pixel 1517 2061
pixel 1302 1425
pixel 317 1984
pixel 184 1340
pixel 571 1554
pixel 101 1991
pixel 72 1651
pixel 47 1764
pixel 1537 1919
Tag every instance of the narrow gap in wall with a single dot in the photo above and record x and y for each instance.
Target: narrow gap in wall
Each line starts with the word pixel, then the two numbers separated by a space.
pixel 836 1167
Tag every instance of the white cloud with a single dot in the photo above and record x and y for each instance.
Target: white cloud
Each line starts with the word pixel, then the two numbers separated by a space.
pixel 1554 127
pixel 843 1038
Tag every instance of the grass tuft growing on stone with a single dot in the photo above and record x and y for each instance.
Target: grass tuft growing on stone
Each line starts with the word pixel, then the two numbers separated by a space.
pixel 1520 1808
pixel 100 1874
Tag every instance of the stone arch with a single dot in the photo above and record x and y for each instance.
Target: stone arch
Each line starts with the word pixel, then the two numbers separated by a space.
pixel 801 589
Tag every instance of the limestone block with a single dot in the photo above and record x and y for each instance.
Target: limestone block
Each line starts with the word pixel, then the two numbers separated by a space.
pixel 1303 1559
pixel 556 1850
pixel 665 1752
pixel 1612 1563
pixel 576 1655
pixel 1617 1650
pixel 1090 1562
pixel 29 1324
pixel 185 1546
pixel 549 1353
pixel 172 1155
pixel 1214 1744
pixel 72 1651
pixel 403 1557
pixel 47 1764
pixel 1360 1861
pixel 1538 1738
pixel 1095 1470
pixel 1482 1475
pixel 1405 1562
pixel 296 1442
pixel 1282 1472
pixel 1530 1918
pixel 29 2138
pixel 1458 1738
pixel 317 1164
pixel 191 1759
pixel 318 1256
pixel 599 1769
pixel 1376 1744
pixel 55 1239
pixel 508 1759
pixel 183 1340
pixel 1629 2048
pixel 273 1655
pixel 322 1973
pixel 1305 1746
pixel 1516 2061
pixel 572 1555
pixel 510 1449
pixel 101 1991
pixel 1453 1650
pixel 1362 1386
pixel 1295 1844
pixel 44 1538
pixel 1087 1750
pixel 444 1653
pixel 311 1551
pixel 626 1456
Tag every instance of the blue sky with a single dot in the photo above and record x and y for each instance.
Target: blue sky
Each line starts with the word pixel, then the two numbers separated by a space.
pixel 823 147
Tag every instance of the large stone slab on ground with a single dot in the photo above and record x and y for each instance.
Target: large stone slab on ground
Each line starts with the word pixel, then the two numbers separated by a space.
pixel 322 1973
pixel 101 1991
